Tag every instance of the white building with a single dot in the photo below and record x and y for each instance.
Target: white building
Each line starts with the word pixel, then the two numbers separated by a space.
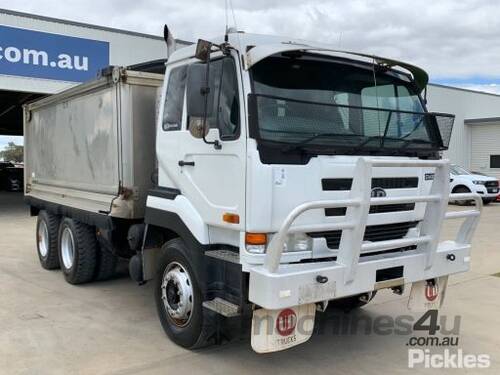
pixel 475 141
pixel 41 55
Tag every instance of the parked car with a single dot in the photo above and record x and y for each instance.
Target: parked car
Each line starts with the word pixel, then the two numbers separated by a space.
pixel 464 181
pixel 11 177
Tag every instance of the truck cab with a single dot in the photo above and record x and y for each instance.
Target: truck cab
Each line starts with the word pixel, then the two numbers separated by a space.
pixel 317 173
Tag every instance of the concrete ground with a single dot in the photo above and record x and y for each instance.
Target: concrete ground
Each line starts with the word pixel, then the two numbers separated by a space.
pixel 50 327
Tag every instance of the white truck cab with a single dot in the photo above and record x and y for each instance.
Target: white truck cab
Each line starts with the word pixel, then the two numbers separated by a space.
pixel 290 175
pixel 464 181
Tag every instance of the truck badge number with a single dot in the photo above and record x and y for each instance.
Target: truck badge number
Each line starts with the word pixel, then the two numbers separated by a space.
pixel 378 192
pixel 286 322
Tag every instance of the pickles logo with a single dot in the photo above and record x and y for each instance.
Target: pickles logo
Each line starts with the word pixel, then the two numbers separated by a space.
pixel 286 322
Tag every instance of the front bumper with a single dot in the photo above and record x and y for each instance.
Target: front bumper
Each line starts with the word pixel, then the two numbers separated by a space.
pixel 276 286
pixel 295 284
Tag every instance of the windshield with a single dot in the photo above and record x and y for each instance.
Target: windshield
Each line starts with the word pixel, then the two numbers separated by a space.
pixel 312 101
pixel 456 170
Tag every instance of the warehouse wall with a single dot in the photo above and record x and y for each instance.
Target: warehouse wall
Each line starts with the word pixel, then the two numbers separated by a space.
pixel 464 104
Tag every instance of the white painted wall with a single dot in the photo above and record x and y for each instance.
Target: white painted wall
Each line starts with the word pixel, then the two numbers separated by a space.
pixel 125 49
pixel 464 104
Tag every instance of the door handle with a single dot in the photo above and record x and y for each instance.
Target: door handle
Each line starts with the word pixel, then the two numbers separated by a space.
pixel 183 163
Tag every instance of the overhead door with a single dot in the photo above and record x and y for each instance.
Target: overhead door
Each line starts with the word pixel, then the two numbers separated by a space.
pixel 485 148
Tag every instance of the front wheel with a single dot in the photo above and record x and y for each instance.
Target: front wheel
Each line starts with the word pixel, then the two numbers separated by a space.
pixel 179 299
pixel 462 190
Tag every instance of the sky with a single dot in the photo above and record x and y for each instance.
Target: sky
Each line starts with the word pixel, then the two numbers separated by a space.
pixel 456 42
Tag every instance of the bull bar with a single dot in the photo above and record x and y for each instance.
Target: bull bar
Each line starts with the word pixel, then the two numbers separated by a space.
pixel 274 285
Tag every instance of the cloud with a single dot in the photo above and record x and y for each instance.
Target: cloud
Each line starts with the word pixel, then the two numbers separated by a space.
pixel 448 38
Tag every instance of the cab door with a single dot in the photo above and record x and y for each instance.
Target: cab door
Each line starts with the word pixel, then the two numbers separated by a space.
pixel 213 178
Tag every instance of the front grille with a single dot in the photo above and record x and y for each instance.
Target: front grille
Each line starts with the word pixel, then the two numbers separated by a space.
pixel 342 184
pixel 392 208
pixel 491 184
pixel 373 233
pixel 340 211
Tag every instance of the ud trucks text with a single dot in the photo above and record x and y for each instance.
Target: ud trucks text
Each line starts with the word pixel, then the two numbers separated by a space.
pixel 255 182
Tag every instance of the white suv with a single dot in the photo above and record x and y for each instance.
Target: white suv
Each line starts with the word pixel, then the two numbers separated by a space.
pixel 463 181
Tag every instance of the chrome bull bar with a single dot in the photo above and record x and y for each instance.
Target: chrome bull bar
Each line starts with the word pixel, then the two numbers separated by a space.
pixel 358 206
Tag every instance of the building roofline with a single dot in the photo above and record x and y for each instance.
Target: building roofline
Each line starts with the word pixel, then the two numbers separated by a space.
pixel 472 121
pixel 82 24
pixel 462 89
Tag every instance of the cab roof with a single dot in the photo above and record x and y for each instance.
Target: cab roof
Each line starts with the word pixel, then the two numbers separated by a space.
pixel 257 47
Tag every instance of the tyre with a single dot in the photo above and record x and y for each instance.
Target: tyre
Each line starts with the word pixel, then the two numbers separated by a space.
pixel 179 299
pixel 106 265
pixel 460 190
pixel 77 248
pixel 47 227
pixel 487 201
pixel 353 302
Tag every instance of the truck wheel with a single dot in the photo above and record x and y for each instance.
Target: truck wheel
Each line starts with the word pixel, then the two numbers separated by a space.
pixel 353 302
pixel 47 226
pixel 179 299
pixel 77 251
pixel 462 189
pixel 106 265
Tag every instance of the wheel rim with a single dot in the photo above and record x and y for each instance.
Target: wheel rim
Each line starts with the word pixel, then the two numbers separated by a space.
pixel 43 239
pixel 177 294
pixel 67 248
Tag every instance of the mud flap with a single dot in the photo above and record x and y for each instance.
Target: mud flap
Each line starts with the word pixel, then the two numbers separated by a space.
pixel 275 330
pixel 427 294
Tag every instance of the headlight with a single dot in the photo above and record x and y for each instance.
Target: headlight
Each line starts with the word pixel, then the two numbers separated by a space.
pixel 298 242
pixel 479 182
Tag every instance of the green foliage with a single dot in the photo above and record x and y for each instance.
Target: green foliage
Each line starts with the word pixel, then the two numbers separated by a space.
pixel 12 152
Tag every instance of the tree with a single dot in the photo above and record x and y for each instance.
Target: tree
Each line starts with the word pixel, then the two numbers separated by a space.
pixel 12 152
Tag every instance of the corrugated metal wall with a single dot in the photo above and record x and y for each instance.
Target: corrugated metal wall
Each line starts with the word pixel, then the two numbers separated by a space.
pixel 465 105
pixel 485 141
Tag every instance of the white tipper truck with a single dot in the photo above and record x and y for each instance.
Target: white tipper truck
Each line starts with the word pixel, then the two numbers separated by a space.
pixel 279 175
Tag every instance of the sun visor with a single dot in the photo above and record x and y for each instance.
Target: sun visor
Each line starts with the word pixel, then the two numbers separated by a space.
pixel 259 53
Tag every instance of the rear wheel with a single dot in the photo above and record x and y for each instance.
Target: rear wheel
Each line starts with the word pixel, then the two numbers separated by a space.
pixel 77 247
pixel 179 299
pixel 47 227
pixel 106 264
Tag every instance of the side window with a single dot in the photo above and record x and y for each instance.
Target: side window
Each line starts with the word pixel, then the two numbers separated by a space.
pixel 228 112
pixel 225 107
pixel 174 100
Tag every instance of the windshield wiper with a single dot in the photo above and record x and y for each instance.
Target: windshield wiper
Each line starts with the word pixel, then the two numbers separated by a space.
pixel 302 143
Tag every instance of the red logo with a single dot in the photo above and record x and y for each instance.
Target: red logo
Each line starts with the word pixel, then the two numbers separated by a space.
pixel 286 322
pixel 431 292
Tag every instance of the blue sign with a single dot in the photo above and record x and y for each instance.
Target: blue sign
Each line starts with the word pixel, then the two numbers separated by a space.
pixel 37 54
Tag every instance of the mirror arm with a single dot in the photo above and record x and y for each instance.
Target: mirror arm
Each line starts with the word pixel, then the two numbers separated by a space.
pixel 205 92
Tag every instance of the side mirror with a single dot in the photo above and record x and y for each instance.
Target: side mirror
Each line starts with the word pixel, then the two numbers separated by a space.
pixel 199 99
pixel 203 49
